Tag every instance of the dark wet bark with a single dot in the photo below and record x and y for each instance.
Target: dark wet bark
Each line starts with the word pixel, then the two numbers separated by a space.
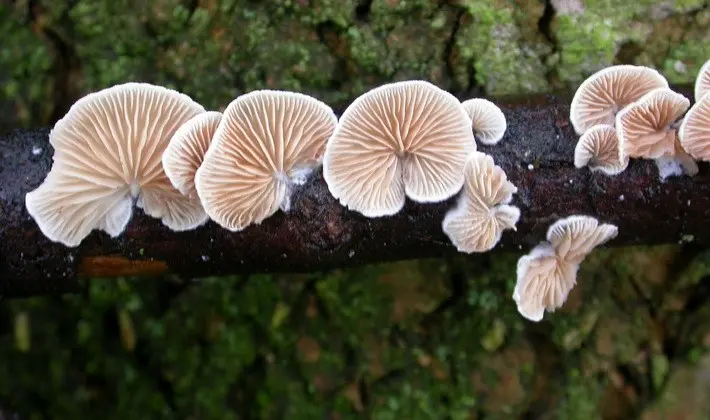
pixel 318 233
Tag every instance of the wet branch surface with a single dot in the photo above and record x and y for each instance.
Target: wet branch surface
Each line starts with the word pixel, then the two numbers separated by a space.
pixel 317 234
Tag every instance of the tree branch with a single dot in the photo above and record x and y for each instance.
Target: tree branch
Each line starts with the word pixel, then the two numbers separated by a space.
pixel 319 234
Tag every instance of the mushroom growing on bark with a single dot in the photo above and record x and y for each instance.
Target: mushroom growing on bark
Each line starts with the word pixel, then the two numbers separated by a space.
pixel 702 82
pixel 187 149
pixel 107 154
pixel 648 129
pixel 487 119
pixel 483 212
pixel 266 143
pixel 546 275
pixel 404 139
pixel 602 95
pixel 598 148
pixel 694 132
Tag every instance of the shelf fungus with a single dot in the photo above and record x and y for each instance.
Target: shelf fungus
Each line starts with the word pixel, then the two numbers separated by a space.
pixel 602 95
pixel 487 119
pixel 694 132
pixel 482 213
pixel 107 156
pixel 702 82
pixel 648 129
pixel 549 272
pixel 266 143
pixel 187 150
pixel 404 139
pixel 598 148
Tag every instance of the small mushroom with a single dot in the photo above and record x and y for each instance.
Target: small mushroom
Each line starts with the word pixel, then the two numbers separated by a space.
pixel 187 149
pixel 266 143
pixel 598 148
pixel 702 81
pixel 404 139
pixel 107 153
pixel 694 131
pixel 488 120
pixel 482 213
pixel 602 95
pixel 547 275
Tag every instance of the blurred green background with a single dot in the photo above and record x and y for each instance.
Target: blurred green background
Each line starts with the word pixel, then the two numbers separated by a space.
pixel 435 339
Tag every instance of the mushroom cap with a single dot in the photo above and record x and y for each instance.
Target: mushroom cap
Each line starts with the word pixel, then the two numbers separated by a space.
pixel 401 139
pixel 107 152
pixel 598 148
pixel 644 128
pixel 266 142
pixel 604 93
pixel 481 215
pixel 543 282
pixel 187 149
pixel 702 81
pixel 694 131
pixel 574 237
pixel 488 120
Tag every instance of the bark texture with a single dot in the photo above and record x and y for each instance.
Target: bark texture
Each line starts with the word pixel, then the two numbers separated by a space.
pixel 318 233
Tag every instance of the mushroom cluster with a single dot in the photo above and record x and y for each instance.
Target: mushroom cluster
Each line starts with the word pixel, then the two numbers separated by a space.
pixel 629 111
pixel 547 274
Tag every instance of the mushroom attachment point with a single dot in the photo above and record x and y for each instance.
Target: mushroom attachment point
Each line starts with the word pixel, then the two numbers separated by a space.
pixel 107 154
pixel 266 143
pixel 603 94
pixel 648 129
pixel 547 275
pixel 187 149
pixel 483 212
pixel 702 81
pixel 488 120
pixel 598 148
pixel 694 132
pixel 404 139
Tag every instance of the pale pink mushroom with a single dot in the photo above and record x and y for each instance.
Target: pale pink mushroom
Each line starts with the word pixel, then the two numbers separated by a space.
pixel 401 139
pixel 547 275
pixel 603 94
pixel 267 142
pixel 488 120
pixel 483 212
pixel 187 149
pixel 694 132
pixel 107 153
pixel 702 82
pixel 598 148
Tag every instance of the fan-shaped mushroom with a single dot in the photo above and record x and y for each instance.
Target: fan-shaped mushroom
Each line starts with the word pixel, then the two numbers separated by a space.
pixel 602 95
pixel 546 275
pixel 266 143
pixel 107 153
pixel 488 120
pixel 402 139
pixel 482 213
pixel 702 81
pixel 187 149
pixel 694 132
pixel 598 148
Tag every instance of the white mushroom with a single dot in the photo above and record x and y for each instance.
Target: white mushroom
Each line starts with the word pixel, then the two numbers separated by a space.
pixel 598 148
pixel 488 120
pixel 547 275
pixel 402 139
pixel 602 95
pixel 694 132
pixel 107 153
pixel 266 143
pixel 482 213
pixel 187 149
pixel 702 81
